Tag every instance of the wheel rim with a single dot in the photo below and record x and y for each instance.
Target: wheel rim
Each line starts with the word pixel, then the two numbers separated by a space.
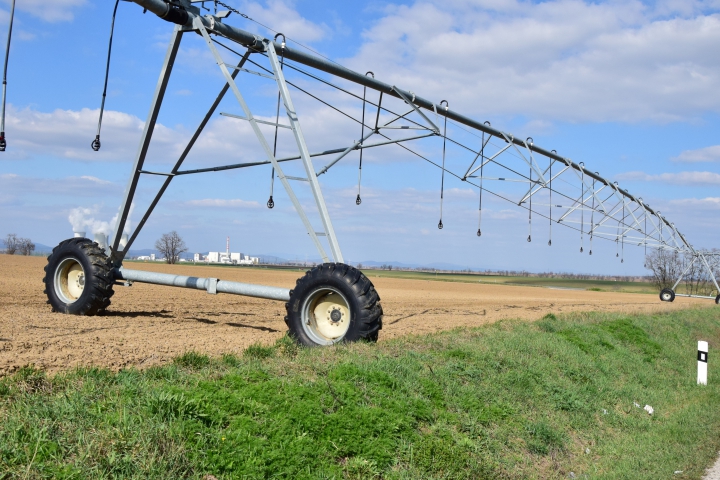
pixel 326 316
pixel 666 296
pixel 69 280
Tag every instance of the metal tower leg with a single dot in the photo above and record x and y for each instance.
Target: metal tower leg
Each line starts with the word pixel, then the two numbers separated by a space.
pixel 305 154
pixel 197 24
pixel 683 274
pixel 712 275
pixel 117 256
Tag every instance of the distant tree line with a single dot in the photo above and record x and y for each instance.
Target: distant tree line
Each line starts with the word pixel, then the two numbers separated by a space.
pixel 15 244
pixel 667 266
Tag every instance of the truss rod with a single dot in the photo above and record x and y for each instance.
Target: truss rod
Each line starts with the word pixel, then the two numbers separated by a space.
pixel 296 157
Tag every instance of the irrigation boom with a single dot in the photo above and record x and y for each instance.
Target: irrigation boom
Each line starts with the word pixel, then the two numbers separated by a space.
pixel 183 14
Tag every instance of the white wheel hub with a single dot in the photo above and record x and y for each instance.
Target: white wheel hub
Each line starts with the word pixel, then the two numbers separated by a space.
pixel 69 280
pixel 326 316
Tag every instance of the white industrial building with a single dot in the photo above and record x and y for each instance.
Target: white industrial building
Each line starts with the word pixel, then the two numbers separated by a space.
pixel 230 258
pixel 227 257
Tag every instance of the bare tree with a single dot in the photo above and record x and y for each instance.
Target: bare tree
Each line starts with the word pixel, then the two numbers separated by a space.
pixel 11 243
pixel 171 245
pixel 666 266
pixel 26 246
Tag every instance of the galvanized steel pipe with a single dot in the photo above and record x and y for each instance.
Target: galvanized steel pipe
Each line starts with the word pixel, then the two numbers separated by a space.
pixel 207 284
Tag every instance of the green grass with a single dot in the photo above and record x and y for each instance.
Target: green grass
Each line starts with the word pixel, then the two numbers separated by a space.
pixel 509 400
pixel 592 285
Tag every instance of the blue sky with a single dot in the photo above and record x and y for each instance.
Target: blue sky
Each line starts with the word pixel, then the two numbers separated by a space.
pixel 630 88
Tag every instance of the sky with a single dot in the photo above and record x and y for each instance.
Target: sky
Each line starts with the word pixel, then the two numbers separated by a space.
pixel 632 89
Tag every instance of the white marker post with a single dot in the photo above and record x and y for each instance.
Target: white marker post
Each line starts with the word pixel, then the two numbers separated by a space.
pixel 702 362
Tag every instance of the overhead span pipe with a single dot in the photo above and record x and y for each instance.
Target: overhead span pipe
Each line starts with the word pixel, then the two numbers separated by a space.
pixel 185 17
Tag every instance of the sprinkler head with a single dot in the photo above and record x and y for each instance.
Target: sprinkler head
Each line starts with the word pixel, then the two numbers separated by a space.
pixel 96 143
pixel 581 250
pixel 358 201
pixel 440 225
pixel 479 233
pixel 529 239
pixel 549 243
pixel 270 203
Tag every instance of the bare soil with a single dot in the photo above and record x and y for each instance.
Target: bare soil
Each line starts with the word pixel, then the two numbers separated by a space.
pixel 149 324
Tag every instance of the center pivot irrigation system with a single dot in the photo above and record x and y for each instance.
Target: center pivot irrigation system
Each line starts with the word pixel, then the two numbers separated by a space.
pixel 334 302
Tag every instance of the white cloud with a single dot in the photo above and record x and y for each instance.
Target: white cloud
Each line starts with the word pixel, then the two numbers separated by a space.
pixel 50 11
pixel 222 203
pixel 283 17
pixel 709 203
pixel 557 60
pixel 85 186
pixel 679 178
pixel 707 154
pixel 68 133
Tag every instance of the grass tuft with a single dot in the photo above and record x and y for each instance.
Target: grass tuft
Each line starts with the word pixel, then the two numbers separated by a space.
pixel 192 360
pixel 259 351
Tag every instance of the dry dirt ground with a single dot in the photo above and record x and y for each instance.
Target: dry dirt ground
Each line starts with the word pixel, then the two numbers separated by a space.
pixel 148 324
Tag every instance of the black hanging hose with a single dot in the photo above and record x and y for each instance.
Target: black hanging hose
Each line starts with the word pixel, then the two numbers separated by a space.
pixel 617 236
pixel 271 202
pixel 358 200
pixel 592 215
pixel 645 232
pixel 3 143
pixel 96 143
pixel 582 204
pixel 550 208
pixel 442 177
pixel 529 140
pixel 622 258
pixel 482 164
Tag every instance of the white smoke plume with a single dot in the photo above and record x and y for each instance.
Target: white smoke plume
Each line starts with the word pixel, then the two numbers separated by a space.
pixel 83 220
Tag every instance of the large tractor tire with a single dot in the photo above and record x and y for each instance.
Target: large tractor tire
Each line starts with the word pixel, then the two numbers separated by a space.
pixel 717 299
pixel 667 295
pixel 78 278
pixel 333 303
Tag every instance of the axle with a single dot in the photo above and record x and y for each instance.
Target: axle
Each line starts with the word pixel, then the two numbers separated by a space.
pixel 210 285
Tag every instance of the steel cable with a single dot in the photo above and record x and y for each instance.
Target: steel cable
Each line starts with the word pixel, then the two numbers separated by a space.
pixel 3 142
pixel 442 175
pixel 271 202
pixel 358 200
pixel 96 143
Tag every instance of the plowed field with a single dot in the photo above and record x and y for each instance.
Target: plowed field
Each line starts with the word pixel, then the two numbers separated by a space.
pixel 148 324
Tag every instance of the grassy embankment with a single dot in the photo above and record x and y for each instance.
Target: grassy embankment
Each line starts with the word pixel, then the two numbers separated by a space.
pixel 509 400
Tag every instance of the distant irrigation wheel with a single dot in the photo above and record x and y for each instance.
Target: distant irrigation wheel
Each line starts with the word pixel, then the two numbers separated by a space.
pixel 333 303
pixel 717 299
pixel 78 278
pixel 667 295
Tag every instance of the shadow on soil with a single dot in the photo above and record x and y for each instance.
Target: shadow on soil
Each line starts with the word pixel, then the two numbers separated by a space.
pixel 160 314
